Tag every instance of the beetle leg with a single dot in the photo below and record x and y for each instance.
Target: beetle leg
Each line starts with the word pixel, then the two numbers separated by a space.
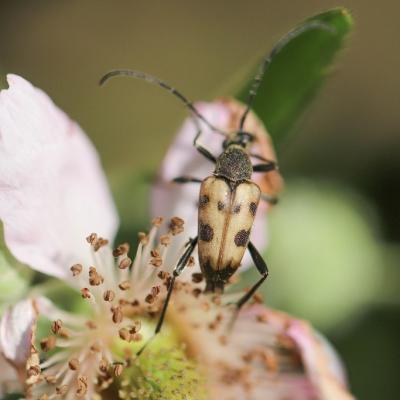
pixel 262 268
pixel 180 266
pixel 202 150
pixel 266 167
pixel 186 179
pixel 269 199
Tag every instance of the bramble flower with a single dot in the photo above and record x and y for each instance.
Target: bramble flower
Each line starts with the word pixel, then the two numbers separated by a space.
pixel 52 195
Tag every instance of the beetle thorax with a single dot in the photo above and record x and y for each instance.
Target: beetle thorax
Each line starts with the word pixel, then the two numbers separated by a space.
pixel 234 164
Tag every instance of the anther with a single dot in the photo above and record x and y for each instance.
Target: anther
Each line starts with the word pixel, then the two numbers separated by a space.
pixel 50 379
pixel 137 337
pixel 48 343
pixel 64 333
pixel 124 285
pixel 92 238
pixel 157 221
pixel 176 225
pixel 155 290
pixel 82 386
pixel 165 240
pixel 85 293
pixel 124 334
pixel 117 315
pixel 108 295
pixel 34 370
pixel 95 348
pixel 73 364
pixel 95 279
pixel 156 262
pixel 56 326
pixel 62 390
pixel 149 299
pixel 191 262
pixel 101 242
pixel 121 250
pixel 118 369
pixel 125 263
pixel 91 325
pixel 76 269
pixel 143 238
pixel 103 365
pixel 163 275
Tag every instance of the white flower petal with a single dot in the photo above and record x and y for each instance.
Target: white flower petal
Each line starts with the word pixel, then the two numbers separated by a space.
pixel 52 189
pixel 17 331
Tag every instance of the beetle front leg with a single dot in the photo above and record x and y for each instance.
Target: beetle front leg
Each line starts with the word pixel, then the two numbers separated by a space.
pixel 186 179
pixel 266 167
pixel 177 271
pixel 202 150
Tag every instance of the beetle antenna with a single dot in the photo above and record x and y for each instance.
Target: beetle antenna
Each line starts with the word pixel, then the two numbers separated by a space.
pixel 268 59
pixel 154 80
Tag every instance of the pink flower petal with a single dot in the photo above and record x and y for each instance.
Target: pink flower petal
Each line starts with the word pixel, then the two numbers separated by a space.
pixel 169 199
pixel 53 192
pixel 17 332
pixel 321 362
pixel 8 378
pixel 260 358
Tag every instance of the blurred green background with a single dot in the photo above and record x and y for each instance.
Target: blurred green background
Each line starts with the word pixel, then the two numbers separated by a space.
pixel 335 251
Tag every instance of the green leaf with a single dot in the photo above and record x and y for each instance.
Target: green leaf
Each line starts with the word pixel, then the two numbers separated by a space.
pixel 297 71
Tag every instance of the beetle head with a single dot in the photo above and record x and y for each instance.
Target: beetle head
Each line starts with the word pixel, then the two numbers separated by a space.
pixel 240 138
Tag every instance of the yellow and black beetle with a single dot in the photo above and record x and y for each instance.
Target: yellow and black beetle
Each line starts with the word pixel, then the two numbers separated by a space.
pixel 228 199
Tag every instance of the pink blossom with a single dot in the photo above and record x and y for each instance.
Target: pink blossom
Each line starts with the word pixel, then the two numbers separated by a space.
pixel 52 195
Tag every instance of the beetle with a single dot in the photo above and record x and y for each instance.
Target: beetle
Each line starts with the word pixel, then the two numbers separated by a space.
pixel 228 199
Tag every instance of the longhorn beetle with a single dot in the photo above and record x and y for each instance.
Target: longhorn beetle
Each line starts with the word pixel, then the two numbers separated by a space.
pixel 228 198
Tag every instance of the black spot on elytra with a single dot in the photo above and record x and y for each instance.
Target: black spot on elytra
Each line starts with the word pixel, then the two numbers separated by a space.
pixel 241 238
pixel 253 208
pixel 206 233
pixel 204 200
pixel 221 205
pixel 236 209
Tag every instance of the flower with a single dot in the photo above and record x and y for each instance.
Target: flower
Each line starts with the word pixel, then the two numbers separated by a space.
pixel 52 194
